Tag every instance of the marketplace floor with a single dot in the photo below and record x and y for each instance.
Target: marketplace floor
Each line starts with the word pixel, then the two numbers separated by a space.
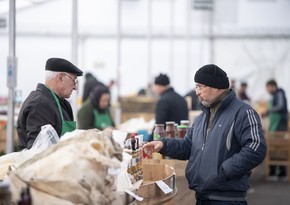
pixel 260 192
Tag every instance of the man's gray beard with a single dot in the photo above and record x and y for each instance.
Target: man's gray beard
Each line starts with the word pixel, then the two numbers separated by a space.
pixel 205 103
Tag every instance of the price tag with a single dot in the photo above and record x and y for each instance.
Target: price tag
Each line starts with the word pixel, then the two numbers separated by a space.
pixel 164 187
pixel 138 198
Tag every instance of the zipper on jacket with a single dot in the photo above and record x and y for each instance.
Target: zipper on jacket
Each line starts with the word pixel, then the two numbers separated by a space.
pixel 202 147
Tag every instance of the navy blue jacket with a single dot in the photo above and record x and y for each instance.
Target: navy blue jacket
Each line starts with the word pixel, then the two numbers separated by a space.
pixel 219 166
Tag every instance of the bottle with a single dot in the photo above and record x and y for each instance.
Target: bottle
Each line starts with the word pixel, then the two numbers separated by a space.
pixel 159 132
pixel 25 198
pixel 5 193
pixel 175 128
pixel 170 130
pixel 184 122
pixel 134 157
pixel 182 129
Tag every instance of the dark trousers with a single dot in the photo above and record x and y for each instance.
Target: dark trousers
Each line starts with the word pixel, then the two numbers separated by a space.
pixel 213 202
pixel 281 171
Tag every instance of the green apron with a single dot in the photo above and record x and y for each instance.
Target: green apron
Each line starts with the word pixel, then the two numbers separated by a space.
pixel 102 120
pixel 274 119
pixel 66 126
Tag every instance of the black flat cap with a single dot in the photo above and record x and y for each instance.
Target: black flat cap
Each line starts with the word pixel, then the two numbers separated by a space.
pixel 62 65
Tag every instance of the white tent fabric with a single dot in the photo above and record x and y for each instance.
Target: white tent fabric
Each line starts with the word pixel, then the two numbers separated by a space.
pixel 248 43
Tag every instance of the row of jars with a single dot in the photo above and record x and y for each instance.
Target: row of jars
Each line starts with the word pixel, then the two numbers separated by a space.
pixel 171 130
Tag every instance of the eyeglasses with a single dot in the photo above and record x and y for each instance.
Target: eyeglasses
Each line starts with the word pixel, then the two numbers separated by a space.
pixel 75 81
pixel 198 88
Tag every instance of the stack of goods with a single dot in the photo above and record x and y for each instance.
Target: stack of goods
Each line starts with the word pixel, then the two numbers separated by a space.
pixel 77 170
pixel 133 146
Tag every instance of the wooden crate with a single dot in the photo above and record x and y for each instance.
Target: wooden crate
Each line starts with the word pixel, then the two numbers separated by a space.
pixel 129 115
pixel 137 104
pixel 3 136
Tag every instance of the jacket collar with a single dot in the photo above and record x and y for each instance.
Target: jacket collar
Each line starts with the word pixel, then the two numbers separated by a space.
pixel 170 89
pixel 221 101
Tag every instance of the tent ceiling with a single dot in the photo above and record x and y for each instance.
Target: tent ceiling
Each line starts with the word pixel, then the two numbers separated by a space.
pixel 20 4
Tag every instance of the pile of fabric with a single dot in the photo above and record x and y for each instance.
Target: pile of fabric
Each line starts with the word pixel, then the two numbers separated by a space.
pixel 74 171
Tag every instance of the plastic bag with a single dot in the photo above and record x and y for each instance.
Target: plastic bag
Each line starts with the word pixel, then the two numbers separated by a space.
pixel 45 139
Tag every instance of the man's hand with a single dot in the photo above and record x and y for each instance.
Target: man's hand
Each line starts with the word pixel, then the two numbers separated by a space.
pixel 153 146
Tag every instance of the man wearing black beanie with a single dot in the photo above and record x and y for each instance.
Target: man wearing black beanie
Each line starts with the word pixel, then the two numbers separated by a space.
pixel 223 145
pixel 170 106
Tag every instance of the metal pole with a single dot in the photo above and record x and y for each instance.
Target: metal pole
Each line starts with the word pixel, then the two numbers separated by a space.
pixel 74 54
pixel 11 78
pixel 171 38
pixel 149 40
pixel 211 34
pixel 118 110
pixel 188 46
pixel 119 22
pixel 75 32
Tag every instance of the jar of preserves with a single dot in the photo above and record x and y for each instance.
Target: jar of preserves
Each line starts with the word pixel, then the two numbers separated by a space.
pixel 159 132
pixel 182 129
pixel 170 129
pixel 184 122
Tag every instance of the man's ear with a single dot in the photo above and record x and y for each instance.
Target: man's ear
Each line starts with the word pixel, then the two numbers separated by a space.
pixel 60 77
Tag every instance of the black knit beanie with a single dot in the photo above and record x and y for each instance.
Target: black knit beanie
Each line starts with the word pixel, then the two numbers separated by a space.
pixel 212 76
pixel 162 79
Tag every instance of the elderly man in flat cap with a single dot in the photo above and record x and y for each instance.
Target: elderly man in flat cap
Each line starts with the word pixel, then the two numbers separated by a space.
pixel 47 104
pixel 223 145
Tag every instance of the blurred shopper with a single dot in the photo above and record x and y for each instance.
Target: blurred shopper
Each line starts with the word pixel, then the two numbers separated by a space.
pixel 233 84
pixel 48 104
pixel 95 111
pixel 90 82
pixel 278 116
pixel 223 145
pixel 242 93
pixel 195 105
pixel 148 91
pixel 170 106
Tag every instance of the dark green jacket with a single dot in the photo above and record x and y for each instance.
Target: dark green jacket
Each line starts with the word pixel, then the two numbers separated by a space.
pixel 86 117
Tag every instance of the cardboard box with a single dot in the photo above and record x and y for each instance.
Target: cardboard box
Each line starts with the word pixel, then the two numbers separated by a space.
pixel 178 165
pixel 149 190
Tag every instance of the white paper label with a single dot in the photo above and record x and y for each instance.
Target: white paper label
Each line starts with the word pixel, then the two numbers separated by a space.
pixel 138 198
pixel 163 186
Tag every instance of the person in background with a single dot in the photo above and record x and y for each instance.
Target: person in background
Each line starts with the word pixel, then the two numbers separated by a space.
pixel 233 84
pixel 170 106
pixel 223 145
pixel 47 104
pixel 148 91
pixel 242 92
pixel 95 112
pixel 90 82
pixel 278 116
pixel 194 99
